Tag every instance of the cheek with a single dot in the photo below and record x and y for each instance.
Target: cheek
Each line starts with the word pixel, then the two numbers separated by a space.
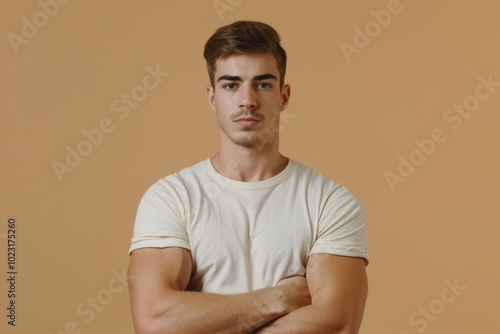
pixel 272 100
pixel 222 108
pixel 223 115
pixel 222 101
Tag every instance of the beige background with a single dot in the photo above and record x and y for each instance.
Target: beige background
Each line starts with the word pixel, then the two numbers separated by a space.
pixel 348 120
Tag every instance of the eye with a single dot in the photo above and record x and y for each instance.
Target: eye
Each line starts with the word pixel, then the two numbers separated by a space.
pixel 229 86
pixel 263 85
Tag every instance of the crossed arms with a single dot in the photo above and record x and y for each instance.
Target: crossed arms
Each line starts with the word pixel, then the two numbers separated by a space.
pixel 329 300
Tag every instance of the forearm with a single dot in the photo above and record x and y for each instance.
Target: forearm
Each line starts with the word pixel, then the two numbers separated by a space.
pixel 339 287
pixel 157 281
pixel 310 319
pixel 197 312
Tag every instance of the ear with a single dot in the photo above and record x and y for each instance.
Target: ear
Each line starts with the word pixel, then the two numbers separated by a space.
pixel 285 96
pixel 211 97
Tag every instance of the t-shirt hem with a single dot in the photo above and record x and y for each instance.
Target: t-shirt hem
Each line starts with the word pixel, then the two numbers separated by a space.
pixel 341 252
pixel 158 244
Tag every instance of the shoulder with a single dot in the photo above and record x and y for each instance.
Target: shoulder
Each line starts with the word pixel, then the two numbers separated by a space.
pixel 330 191
pixel 183 176
pixel 313 179
pixel 177 184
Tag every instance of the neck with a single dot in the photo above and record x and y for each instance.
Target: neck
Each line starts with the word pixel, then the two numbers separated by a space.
pixel 249 164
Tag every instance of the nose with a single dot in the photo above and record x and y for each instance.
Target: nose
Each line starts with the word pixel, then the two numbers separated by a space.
pixel 247 97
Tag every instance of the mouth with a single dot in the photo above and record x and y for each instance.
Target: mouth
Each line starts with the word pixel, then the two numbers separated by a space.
pixel 247 121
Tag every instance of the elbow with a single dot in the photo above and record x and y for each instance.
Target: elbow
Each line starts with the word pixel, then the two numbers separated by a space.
pixel 343 329
pixel 155 324
pixel 147 326
pixel 154 316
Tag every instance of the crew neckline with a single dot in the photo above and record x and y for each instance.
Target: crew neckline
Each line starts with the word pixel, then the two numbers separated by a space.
pixel 252 185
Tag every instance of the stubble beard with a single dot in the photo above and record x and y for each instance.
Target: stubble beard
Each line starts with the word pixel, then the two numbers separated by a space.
pixel 248 139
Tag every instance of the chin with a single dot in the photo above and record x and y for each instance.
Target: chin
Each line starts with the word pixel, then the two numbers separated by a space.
pixel 248 143
pixel 247 140
pixel 257 141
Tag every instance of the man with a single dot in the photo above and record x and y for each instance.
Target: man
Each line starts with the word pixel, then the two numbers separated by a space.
pixel 248 240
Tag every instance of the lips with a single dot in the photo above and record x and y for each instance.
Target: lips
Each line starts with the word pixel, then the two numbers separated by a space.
pixel 247 121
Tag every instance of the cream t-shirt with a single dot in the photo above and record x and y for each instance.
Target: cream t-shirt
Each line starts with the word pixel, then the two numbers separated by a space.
pixel 245 236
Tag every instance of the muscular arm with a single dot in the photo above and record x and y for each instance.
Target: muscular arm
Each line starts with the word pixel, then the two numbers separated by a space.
pixel 157 280
pixel 339 288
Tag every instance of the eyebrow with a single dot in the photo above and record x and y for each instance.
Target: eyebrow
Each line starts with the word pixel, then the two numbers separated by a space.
pixel 255 78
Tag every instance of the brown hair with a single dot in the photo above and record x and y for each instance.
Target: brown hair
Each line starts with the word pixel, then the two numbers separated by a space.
pixel 243 37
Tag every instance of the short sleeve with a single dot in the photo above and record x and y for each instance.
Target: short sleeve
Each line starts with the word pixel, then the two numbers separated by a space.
pixel 342 228
pixel 160 219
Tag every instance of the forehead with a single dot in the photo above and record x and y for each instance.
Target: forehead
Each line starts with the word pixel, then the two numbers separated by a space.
pixel 247 65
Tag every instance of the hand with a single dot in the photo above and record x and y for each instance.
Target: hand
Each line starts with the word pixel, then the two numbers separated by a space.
pixel 295 293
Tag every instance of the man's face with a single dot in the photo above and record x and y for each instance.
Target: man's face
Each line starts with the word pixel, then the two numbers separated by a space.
pixel 248 99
